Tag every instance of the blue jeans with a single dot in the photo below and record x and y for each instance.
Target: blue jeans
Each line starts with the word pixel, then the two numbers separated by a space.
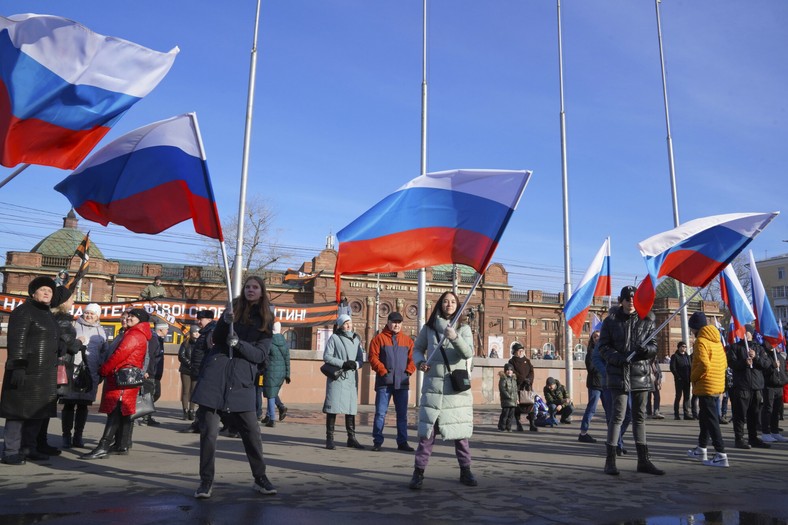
pixel 382 397
pixel 593 399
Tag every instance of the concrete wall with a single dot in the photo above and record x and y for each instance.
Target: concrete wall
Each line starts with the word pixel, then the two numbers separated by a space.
pixel 308 384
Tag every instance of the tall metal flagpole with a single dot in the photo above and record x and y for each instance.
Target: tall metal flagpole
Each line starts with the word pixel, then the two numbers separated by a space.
pixel 239 241
pixel 672 168
pixel 422 276
pixel 565 187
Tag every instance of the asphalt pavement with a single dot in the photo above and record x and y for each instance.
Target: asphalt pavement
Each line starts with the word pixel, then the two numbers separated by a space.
pixel 540 477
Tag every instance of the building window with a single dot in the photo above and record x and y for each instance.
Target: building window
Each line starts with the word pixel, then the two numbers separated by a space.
pixel 781 273
pixel 778 292
pixel 291 338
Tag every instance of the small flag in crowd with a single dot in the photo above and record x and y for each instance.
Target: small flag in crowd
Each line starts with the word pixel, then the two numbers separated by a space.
pixel 696 251
pixel 765 322
pixel 595 283
pixel 148 180
pixel 62 87
pixel 444 217
pixel 596 325
pixel 83 252
pixel 296 278
pixel 736 300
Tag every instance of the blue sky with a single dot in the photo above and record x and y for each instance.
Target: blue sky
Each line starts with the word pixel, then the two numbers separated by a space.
pixel 338 110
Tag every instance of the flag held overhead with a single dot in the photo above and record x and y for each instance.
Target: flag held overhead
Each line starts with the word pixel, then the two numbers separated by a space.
pixel 765 322
pixel 736 300
pixel 696 251
pixel 148 180
pixel 595 283
pixel 443 217
pixel 62 87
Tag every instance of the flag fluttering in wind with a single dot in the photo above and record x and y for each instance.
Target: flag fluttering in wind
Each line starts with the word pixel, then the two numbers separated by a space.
pixel 83 252
pixel 696 251
pixel 736 300
pixel 62 87
pixel 148 180
pixel 443 217
pixel 296 278
pixel 765 322
pixel 595 283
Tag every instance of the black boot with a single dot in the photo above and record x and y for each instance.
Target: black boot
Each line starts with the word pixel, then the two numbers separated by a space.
pixel 100 452
pixel 417 479
pixel 110 429
pixel 79 426
pixel 67 441
pixel 644 462
pixel 330 421
pixel 532 423
pixel 350 426
pixel 77 441
pixel 610 461
pixel 467 478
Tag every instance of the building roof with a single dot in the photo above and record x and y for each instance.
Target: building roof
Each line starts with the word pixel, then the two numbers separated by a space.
pixel 669 288
pixel 63 242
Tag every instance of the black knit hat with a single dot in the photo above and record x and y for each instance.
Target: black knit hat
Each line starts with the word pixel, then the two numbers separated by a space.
pixel 140 314
pixel 38 282
pixel 205 314
pixel 697 321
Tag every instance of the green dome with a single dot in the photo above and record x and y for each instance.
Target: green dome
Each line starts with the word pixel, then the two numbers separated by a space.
pixel 669 288
pixel 64 241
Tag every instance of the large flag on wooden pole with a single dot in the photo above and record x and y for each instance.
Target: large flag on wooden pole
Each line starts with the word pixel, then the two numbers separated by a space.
pixel 443 217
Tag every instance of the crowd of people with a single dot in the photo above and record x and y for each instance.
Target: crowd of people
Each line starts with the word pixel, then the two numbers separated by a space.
pixel 232 370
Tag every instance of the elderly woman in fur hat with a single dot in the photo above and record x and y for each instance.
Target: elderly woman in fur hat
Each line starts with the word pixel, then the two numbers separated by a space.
pixel 29 384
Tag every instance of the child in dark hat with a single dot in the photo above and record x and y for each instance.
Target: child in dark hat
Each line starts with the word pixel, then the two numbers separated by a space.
pixel 507 387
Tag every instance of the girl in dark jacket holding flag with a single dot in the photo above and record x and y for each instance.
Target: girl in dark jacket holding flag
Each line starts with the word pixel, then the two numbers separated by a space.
pixel 226 386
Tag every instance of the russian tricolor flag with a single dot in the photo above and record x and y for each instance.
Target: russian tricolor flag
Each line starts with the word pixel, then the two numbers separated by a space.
pixel 148 180
pixel 444 217
pixel 62 87
pixel 696 251
pixel 736 300
pixel 595 282
pixel 765 322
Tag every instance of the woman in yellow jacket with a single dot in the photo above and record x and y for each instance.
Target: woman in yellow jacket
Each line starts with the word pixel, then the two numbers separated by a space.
pixel 708 383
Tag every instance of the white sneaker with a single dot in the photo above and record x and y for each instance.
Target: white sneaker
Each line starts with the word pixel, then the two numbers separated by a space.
pixel 698 453
pixel 779 438
pixel 767 438
pixel 719 460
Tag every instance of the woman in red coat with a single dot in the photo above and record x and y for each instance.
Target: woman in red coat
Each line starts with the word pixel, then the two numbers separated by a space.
pixel 117 402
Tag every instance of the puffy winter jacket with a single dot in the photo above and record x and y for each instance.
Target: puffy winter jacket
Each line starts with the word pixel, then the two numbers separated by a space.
pixel 708 363
pixel 624 335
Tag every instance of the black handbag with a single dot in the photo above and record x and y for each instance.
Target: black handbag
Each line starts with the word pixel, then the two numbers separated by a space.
pixel 460 379
pixel 145 405
pixel 82 380
pixel 129 376
pixel 331 371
